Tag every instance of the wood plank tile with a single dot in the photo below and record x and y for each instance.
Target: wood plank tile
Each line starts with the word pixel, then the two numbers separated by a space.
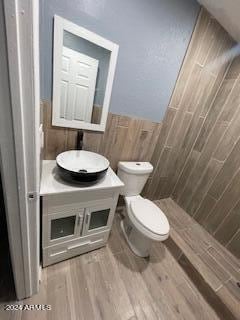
pixel 123 121
pixel 232 105
pixel 206 42
pixel 104 284
pixel 166 126
pixel 55 142
pixel 175 213
pixel 208 86
pixel 201 164
pixel 71 139
pixel 98 292
pixel 173 248
pixel 194 238
pixel 207 263
pixel 116 242
pixel 205 182
pixel 234 244
pixel 197 262
pixel 115 284
pixel 209 294
pixel 170 208
pixel 233 260
pixel 229 226
pixel 186 170
pixel 186 155
pixel 57 293
pixel 83 307
pixel 179 125
pixel 117 152
pixel 224 262
pixel 205 208
pixel 234 70
pixel 47 114
pixel 109 135
pixel 227 172
pixel 160 191
pixel 166 271
pixel 150 142
pixel 92 141
pixel 163 169
pixel 233 287
pixel 130 146
pixel 216 268
pixel 225 204
pixel 145 307
pixel 194 302
pixel 125 138
pixel 231 303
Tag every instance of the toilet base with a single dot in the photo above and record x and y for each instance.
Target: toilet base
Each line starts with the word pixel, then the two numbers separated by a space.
pixel 139 244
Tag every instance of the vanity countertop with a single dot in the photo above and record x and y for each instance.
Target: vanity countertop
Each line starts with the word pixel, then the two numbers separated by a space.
pixel 51 183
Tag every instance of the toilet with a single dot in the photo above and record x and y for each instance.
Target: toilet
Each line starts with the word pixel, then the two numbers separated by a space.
pixel 144 222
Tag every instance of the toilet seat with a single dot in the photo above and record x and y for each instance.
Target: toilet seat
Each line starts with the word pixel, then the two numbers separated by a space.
pixel 149 219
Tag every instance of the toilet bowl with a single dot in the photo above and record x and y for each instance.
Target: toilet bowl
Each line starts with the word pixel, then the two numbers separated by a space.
pixel 144 222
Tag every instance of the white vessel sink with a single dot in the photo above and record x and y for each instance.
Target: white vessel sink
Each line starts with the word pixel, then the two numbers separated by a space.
pixel 81 166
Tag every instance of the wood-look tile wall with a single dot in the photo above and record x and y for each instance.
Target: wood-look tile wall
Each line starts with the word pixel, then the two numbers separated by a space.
pixel 125 138
pixel 197 157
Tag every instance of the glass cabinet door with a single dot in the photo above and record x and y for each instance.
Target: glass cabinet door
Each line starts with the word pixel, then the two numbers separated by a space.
pixel 62 227
pixel 96 219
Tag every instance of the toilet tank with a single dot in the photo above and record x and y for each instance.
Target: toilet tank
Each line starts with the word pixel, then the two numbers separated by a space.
pixel 134 175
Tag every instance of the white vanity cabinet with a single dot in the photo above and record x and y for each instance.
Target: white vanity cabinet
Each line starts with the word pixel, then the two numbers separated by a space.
pixel 75 219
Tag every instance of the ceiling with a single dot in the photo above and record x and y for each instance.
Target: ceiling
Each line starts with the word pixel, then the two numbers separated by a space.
pixel 227 12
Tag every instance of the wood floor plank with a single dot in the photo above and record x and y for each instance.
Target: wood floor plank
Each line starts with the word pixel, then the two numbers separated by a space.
pixel 98 292
pixel 113 283
pixel 173 279
pixel 83 307
pixel 117 291
pixel 144 305
pixel 57 293
pixel 152 282
pixel 196 303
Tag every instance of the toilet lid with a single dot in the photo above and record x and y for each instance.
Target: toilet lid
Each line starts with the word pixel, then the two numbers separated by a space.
pixel 150 216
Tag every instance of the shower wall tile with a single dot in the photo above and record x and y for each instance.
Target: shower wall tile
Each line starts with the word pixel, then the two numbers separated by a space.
pixel 197 156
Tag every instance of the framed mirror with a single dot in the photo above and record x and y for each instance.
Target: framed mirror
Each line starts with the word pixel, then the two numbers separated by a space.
pixel 83 73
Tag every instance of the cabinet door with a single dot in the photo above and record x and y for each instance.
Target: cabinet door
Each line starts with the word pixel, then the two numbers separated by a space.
pixel 62 227
pixel 97 218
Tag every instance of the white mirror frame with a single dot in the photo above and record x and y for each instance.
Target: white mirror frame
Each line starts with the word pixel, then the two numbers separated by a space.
pixel 60 25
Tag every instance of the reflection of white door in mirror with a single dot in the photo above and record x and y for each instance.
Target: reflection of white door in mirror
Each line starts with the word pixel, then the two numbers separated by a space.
pixel 83 71
pixel 78 80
